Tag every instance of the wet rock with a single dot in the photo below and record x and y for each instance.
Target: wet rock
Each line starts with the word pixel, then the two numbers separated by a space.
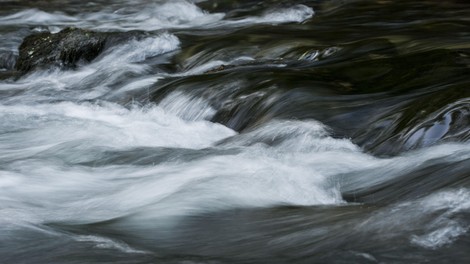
pixel 65 49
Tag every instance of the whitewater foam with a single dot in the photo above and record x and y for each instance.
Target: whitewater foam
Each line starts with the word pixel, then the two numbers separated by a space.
pixel 107 243
pixel 440 237
pixel 37 17
pixel 187 107
pixel 108 125
pixel 151 17
pixel 297 13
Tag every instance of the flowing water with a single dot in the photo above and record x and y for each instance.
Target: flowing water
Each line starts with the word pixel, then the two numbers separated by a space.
pixel 258 131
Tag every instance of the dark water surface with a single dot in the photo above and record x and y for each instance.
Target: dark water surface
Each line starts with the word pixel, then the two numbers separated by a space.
pixel 239 132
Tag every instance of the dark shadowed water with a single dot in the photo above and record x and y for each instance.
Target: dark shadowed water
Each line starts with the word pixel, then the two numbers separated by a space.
pixel 301 131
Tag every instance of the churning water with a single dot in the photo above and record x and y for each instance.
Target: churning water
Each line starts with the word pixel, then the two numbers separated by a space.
pixel 239 132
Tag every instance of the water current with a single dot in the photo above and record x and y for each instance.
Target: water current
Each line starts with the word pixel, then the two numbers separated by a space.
pixel 257 131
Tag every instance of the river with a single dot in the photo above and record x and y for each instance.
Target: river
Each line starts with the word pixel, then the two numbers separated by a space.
pixel 258 131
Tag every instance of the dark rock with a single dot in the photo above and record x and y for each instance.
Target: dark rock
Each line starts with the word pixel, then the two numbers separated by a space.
pixel 64 49
pixel 67 48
